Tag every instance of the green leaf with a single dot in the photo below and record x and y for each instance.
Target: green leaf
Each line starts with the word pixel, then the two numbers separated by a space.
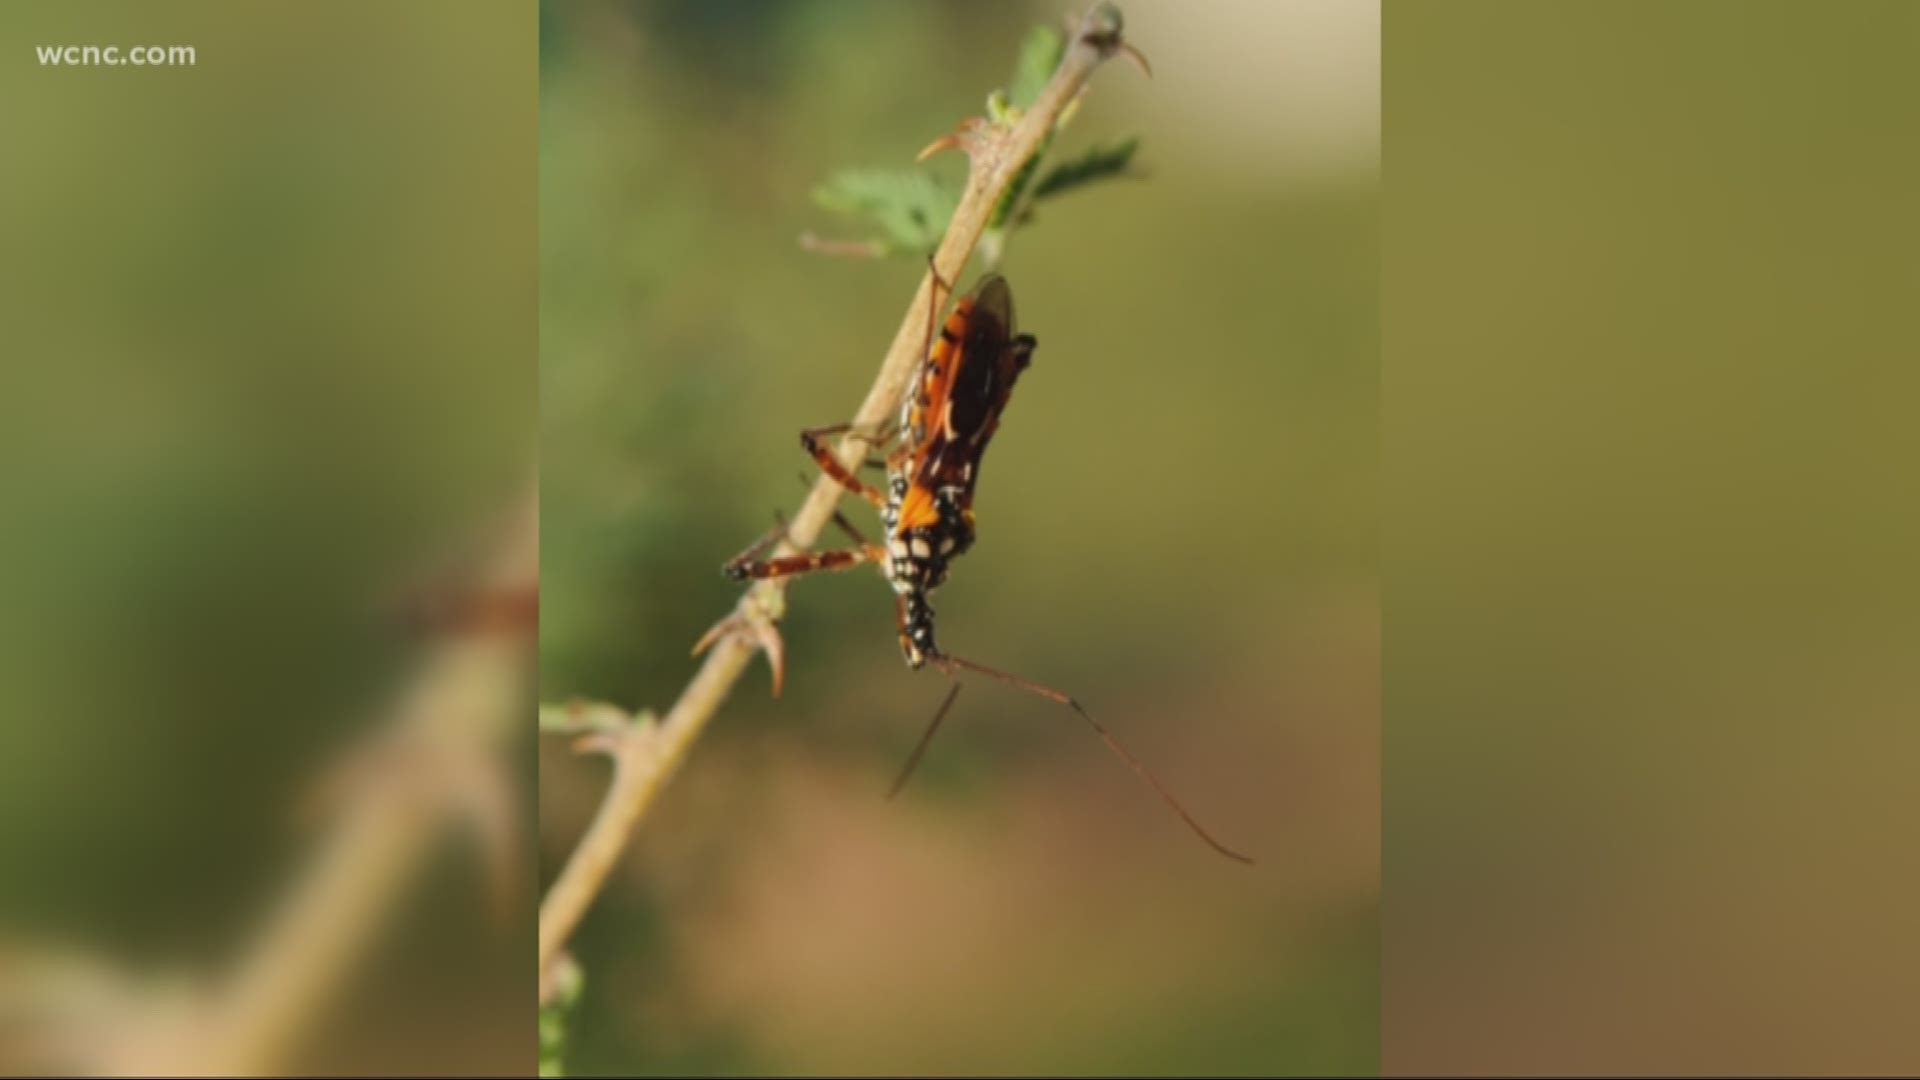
pixel 912 208
pixel 1039 57
pixel 1098 163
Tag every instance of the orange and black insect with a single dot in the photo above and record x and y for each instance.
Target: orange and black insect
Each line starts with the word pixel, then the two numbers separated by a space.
pixel 945 424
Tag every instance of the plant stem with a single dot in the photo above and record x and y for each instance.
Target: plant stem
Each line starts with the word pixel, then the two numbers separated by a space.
pixel 649 755
pixel 405 788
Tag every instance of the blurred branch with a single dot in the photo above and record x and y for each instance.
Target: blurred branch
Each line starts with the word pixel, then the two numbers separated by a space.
pixel 434 762
pixel 440 763
pixel 646 755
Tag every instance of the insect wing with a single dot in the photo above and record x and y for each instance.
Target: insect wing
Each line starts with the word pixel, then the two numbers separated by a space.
pixel 970 386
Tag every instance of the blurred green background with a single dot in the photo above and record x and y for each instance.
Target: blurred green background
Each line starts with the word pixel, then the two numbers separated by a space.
pixel 268 325
pixel 1178 525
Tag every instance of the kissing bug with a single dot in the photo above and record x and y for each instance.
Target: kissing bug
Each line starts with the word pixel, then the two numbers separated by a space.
pixel 946 421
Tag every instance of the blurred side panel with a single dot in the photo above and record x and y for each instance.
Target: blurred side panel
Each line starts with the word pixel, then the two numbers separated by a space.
pixel 267 428
pixel 1651 604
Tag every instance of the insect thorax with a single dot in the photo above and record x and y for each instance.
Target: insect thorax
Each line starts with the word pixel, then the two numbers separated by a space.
pixel 917 560
pixel 917 557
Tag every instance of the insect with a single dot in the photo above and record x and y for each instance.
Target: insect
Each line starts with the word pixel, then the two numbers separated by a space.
pixel 946 421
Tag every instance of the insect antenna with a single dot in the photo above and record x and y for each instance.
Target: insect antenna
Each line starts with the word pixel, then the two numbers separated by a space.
pixel 920 748
pixel 949 664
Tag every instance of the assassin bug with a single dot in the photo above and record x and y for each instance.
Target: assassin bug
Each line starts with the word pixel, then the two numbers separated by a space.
pixel 942 433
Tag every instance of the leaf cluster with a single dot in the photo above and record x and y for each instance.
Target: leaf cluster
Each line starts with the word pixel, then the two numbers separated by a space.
pixel 905 211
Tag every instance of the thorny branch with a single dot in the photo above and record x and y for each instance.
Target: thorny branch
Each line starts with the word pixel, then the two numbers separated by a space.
pixel 646 754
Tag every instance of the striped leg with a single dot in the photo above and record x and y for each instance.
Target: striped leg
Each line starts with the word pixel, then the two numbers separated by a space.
pixel 829 463
pixel 745 567
pixel 839 519
pixel 779 532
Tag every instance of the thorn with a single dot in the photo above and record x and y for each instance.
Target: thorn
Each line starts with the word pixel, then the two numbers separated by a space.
pixel 768 637
pixel 944 142
pixel 760 630
pixel 965 137
pixel 1139 58
pixel 714 633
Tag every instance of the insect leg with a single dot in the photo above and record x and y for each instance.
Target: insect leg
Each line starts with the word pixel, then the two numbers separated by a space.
pixel 744 567
pixel 829 462
pixel 779 532
pixel 938 281
pixel 839 519
pixel 934 300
